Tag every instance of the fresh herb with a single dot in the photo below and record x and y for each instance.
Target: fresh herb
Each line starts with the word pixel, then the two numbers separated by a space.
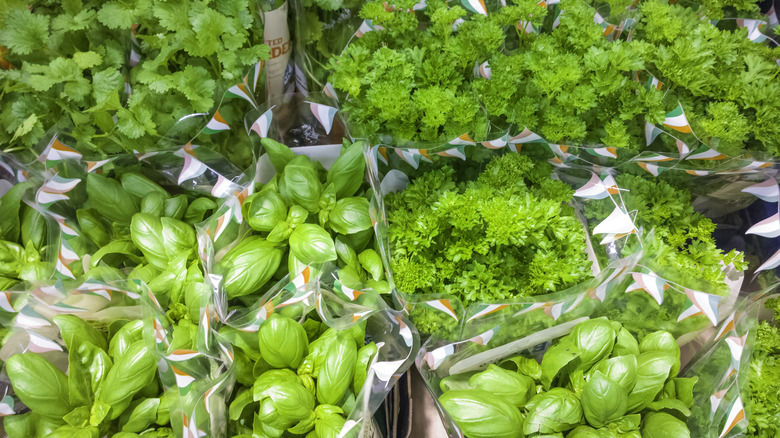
pixel 302 378
pixel 764 378
pixel 596 381
pixel 111 386
pixel 508 234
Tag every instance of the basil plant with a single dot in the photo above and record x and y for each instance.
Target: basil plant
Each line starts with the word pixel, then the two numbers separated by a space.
pixel 596 382
pixel 306 215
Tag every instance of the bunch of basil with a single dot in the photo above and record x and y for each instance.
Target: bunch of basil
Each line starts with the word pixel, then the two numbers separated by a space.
pixel 299 378
pixel 142 232
pixel 111 386
pixel 306 215
pixel 596 382
pixel 22 239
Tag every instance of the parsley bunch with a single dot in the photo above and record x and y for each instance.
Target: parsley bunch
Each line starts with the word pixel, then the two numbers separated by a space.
pixel 508 234
pixel 411 77
pixel 764 378
pixel 683 239
pixel 71 59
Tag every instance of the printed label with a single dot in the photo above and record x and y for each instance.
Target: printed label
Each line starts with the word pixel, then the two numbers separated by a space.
pixel 276 34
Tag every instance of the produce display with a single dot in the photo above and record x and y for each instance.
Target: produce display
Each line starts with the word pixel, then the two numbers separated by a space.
pixel 596 381
pixel 248 219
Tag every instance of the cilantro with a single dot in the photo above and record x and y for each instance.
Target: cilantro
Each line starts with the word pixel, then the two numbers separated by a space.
pixel 70 60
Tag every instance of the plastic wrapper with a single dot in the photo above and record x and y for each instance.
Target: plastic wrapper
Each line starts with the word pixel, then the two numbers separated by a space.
pixel 27 311
pixel 717 408
pixel 629 271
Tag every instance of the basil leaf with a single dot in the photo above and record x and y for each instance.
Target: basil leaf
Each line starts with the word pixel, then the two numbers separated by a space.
pixel 350 215
pixel 154 204
pixel 239 404
pixel 345 252
pixel 93 227
pixel 140 186
pixel 328 198
pixel 659 424
pixel 584 432
pixel 479 413
pixel 456 381
pixel 39 384
pixel 78 417
pixel 198 209
pixel 653 369
pixel 108 197
pixel 595 339
pixel 684 389
pixel 364 356
pixel 302 185
pixel 554 411
pixel 75 432
pixel 603 400
pixel 526 366
pixel 124 247
pixel 372 263
pixel 278 153
pixel 312 244
pixel 555 359
pixel 621 369
pixel 625 344
pixel 10 203
pixel 134 370
pixel 664 342
pixel 348 171
pixel 33 227
pixel 142 416
pixel 282 342
pixel 124 337
pixel 29 424
pixel 297 215
pixel 175 207
pixel 670 404
pixel 280 233
pixel 146 231
pixel 509 386
pixel 264 210
pixel 337 371
pixel 178 238
pixel 248 266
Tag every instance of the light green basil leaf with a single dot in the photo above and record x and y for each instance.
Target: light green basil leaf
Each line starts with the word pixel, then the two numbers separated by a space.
pixel 198 209
pixel 350 215
pixel 480 414
pixel 360 240
pixel 78 417
pixel 240 402
pixel 669 404
pixel 312 244
pixel 554 411
pixel 302 185
pixel 282 342
pixel 153 203
pixel 653 368
pixel 372 263
pixel 110 199
pixel 146 231
pixel 294 266
pixel 264 210
pixel 39 384
pixel 595 339
pixel 131 372
pixel 328 198
pixel 98 412
pixel 621 369
pixel 345 252
pixel 510 386
pixel 280 233
pixel 661 425
pixel 338 369
pixel 175 207
pixel 178 238
pixel 124 337
pixel 664 342
pixel 76 331
pixel 124 247
pixel 248 266
pixel 75 432
pixel 364 356
pixel 526 366
pixel 142 416
pixel 348 171
pixel 297 215
pixel 584 432
pixel 625 344
pixel 456 381
pixel 603 400
pixel 278 153
pixel 140 186
pixel 684 389
pixel 30 424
